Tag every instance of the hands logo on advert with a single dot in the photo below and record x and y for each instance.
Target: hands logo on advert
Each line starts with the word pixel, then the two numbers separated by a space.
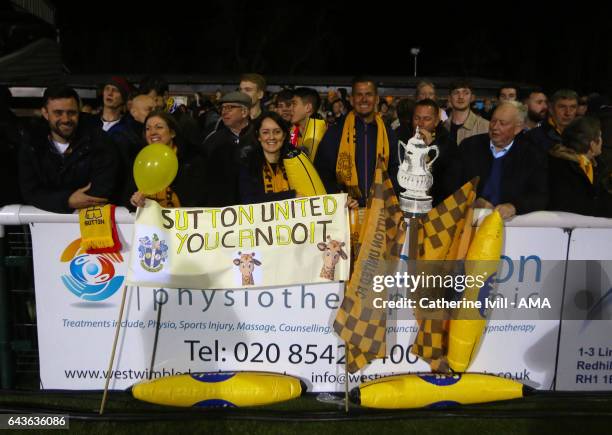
pixel 92 276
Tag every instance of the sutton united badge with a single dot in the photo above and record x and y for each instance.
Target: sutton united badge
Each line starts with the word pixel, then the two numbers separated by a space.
pixel 152 253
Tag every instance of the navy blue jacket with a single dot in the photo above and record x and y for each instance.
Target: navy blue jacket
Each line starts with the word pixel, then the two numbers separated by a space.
pixel 365 157
pixel 544 137
pixel 48 178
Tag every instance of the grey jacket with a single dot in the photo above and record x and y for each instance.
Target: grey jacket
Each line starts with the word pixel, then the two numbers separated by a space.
pixel 472 126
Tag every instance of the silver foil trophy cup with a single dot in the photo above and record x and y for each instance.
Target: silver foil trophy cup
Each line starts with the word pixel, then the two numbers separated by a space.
pixel 414 175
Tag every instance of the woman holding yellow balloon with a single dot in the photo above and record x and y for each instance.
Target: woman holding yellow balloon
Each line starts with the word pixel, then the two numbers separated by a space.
pixel 167 170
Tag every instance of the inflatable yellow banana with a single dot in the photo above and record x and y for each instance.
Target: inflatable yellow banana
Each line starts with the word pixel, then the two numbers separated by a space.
pixel 219 389
pixel 435 391
pixel 315 129
pixel 302 175
pixel 482 259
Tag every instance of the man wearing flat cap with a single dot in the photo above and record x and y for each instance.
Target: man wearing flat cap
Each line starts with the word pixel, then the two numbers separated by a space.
pixel 224 146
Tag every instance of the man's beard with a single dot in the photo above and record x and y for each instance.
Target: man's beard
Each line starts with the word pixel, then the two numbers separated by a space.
pixel 57 130
pixel 536 116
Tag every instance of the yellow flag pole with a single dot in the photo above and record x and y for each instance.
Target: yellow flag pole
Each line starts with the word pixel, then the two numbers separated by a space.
pixel 112 358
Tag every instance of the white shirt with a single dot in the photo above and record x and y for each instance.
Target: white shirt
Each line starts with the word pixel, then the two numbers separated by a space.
pixel 497 154
pixel 107 125
pixel 61 147
pixel 443 115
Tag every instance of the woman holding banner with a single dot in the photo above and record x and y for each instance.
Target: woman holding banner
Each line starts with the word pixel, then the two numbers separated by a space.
pixel 263 176
pixel 188 187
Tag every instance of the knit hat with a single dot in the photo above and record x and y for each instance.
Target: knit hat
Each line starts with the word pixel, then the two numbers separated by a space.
pixel 120 83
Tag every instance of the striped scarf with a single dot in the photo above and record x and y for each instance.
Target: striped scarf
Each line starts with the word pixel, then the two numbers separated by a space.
pixel 346 169
pixel 275 178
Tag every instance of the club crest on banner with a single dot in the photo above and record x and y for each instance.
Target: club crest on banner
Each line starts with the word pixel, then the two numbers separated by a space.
pixel 91 277
pixel 152 253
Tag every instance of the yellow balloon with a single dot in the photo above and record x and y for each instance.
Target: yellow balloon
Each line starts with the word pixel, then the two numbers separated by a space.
pixel 155 167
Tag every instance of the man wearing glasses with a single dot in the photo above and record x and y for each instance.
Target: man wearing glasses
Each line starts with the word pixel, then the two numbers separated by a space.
pixel 223 148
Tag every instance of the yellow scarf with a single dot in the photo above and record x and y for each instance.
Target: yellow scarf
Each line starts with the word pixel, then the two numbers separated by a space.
pixel 275 179
pixel 587 166
pixel 346 169
pixel 552 122
pixel 96 225
pixel 166 198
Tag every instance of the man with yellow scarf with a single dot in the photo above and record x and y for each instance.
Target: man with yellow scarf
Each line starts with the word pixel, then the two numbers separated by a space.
pixel 562 111
pixel 347 154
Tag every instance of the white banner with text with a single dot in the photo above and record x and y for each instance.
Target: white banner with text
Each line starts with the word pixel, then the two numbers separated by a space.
pixel 286 329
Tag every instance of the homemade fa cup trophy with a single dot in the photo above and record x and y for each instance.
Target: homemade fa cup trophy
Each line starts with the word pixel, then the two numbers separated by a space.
pixel 414 175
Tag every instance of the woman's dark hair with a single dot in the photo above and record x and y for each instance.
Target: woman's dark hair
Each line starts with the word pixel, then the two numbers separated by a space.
pixel 579 134
pixel 255 156
pixel 179 140
pixel 405 110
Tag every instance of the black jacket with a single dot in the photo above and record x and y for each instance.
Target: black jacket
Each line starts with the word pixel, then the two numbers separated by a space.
pixel 190 130
pixel 225 150
pixel 446 149
pixel 252 190
pixel 544 137
pixel 128 138
pixel 570 189
pixel 524 181
pixel 190 181
pixel 48 178
pixel 365 157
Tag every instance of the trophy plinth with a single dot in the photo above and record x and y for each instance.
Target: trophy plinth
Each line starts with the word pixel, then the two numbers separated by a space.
pixel 414 206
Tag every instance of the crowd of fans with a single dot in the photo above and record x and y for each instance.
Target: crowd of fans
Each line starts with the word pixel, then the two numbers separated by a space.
pixel 532 151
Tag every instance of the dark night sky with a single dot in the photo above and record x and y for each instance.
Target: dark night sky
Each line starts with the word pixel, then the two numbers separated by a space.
pixel 569 49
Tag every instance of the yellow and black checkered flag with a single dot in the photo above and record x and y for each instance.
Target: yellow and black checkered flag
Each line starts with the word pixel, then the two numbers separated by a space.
pixel 439 238
pixel 383 231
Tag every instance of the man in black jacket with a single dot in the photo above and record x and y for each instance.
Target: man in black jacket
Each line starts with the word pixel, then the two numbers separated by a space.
pixel 562 111
pixel 66 165
pixel 129 139
pixel 224 148
pixel 513 175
